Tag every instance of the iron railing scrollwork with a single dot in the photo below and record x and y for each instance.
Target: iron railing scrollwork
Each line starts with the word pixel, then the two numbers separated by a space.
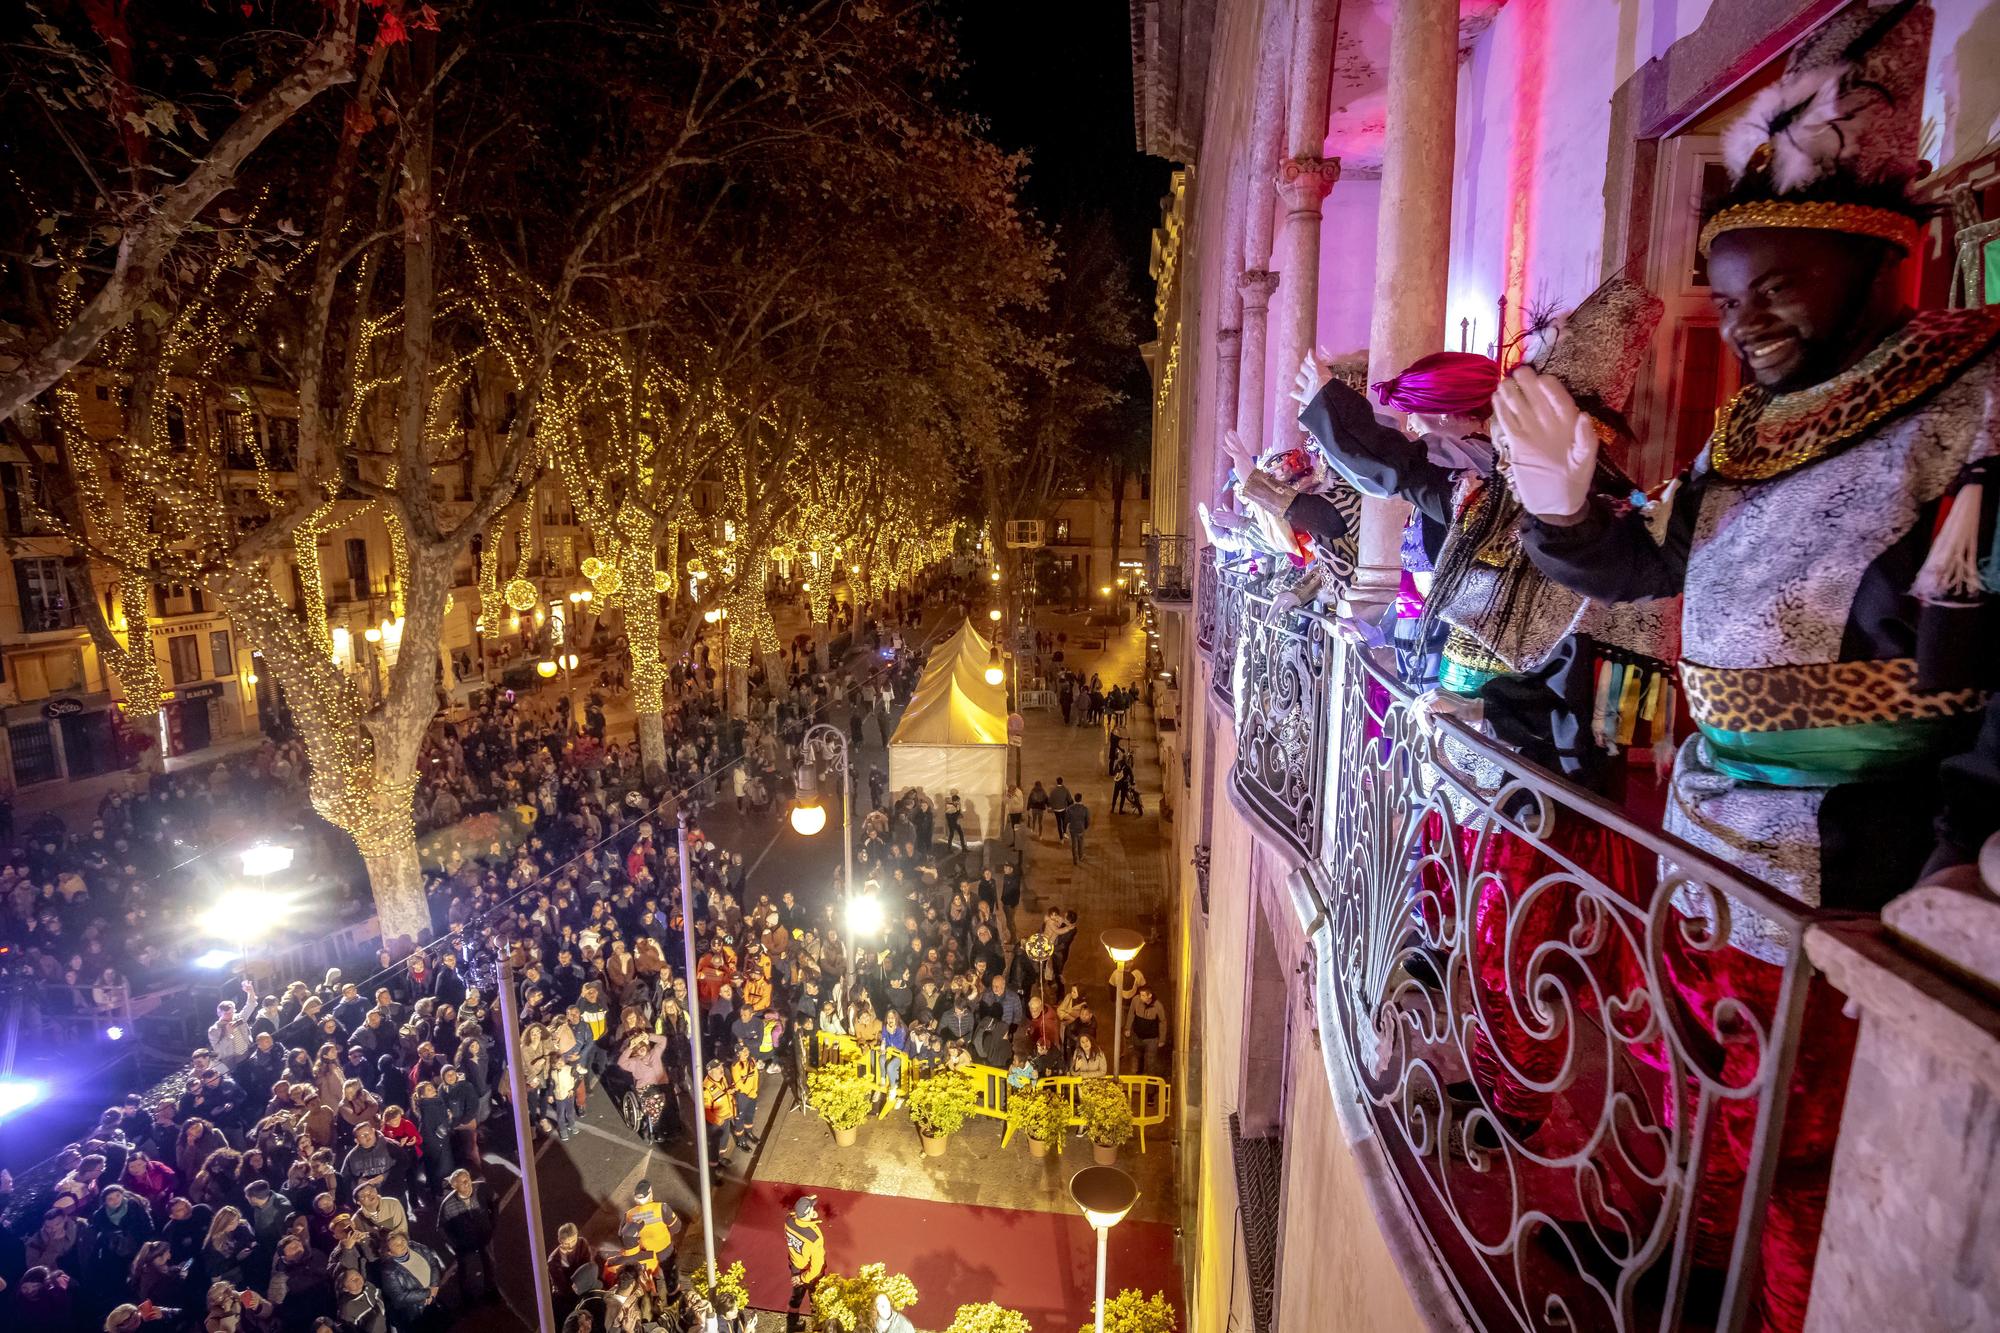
pixel 1578 1085
pixel 1170 567
pixel 1281 739
pixel 1206 601
pixel 1232 591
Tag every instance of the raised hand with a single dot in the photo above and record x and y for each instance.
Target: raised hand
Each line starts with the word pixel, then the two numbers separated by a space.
pixel 1314 372
pixel 1551 444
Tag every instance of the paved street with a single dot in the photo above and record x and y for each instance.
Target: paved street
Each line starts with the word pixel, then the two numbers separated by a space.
pixel 589 1179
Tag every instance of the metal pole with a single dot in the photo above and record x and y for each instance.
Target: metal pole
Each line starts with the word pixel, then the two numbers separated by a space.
pixel 1118 1023
pixel 694 1048
pixel 847 856
pixel 1102 1233
pixel 531 1192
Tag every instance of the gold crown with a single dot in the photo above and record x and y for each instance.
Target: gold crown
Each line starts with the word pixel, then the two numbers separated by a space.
pixel 1883 224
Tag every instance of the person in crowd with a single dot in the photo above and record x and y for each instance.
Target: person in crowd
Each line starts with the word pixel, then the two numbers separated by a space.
pixel 466 1218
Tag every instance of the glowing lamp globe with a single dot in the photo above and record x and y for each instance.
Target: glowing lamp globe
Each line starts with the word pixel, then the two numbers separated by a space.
pixel 1123 945
pixel 545 668
pixel 1104 1193
pixel 995 675
pixel 995 576
pixel 372 634
pixel 864 916
pixel 711 615
pixel 994 615
pixel 808 817
pixel 266 859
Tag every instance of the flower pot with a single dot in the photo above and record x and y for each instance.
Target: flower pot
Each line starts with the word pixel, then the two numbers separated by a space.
pixel 1038 1147
pixel 932 1147
pixel 845 1137
pixel 1105 1156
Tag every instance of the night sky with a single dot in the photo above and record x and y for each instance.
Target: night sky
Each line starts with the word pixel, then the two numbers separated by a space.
pixel 1055 79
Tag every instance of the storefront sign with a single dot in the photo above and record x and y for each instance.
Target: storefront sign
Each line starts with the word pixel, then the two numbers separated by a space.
pixel 65 707
pixel 202 692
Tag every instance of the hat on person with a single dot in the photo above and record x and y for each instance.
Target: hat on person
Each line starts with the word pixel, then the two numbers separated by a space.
pixel 1833 144
pixel 804 1207
pixel 123 1318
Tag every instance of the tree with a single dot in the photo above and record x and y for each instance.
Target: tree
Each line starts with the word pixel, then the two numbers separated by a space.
pixel 151 133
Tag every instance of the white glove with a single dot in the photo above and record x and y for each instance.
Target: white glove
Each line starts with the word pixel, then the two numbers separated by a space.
pixel 1434 704
pixel 1241 457
pixel 1550 442
pixel 1314 372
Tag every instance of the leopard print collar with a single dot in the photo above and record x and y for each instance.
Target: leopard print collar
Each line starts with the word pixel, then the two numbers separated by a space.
pixel 1760 435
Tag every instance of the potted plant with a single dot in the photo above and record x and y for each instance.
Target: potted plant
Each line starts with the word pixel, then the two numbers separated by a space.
pixel 847 1304
pixel 939 1106
pixel 986 1317
pixel 1134 1312
pixel 729 1282
pixel 1042 1115
pixel 1107 1116
pixel 843 1096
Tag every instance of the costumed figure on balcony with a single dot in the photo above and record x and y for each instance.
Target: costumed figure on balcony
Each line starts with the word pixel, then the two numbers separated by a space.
pixel 1561 679
pixel 1834 550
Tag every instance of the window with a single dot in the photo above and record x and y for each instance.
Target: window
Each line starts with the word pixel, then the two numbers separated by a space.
pixel 357 565
pixel 239 440
pixel 219 654
pixel 184 653
pixel 1062 530
pixel 34 754
pixel 44 597
pixel 283 435
pixel 177 428
pixel 63 671
pixel 24 493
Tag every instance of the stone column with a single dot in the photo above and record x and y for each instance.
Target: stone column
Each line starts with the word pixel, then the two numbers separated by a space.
pixel 1303 179
pixel 1912 1211
pixel 1257 285
pixel 1412 249
pixel 1228 339
pixel 1303 184
pixel 1267 131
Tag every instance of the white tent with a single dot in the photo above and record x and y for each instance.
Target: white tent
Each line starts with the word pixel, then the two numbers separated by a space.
pixel 953 735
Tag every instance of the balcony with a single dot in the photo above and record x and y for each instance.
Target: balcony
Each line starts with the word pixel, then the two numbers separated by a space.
pixel 1576 1089
pixel 1170 570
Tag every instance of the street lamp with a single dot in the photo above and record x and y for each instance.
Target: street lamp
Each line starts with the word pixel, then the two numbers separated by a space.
pixel 995 672
pixel 809 816
pixel 1105 1194
pixel 864 915
pixel 546 668
pixel 994 615
pixel 1123 946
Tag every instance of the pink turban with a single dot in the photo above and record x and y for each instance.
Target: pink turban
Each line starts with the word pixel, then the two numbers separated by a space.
pixel 1441 384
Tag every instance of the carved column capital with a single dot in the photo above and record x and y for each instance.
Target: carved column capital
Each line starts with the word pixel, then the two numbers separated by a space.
pixel 1257 285
pixel 1229 342
pixel 1304 181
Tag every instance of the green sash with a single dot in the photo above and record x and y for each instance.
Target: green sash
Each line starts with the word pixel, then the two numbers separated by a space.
pixel 1833 756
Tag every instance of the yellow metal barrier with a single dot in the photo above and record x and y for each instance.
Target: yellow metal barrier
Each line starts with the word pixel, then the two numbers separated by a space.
pixel 1151 1097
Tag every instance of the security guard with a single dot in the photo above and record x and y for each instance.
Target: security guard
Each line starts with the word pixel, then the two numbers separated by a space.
pixel 718 1108
pixel 805 1247
pixel 743 1080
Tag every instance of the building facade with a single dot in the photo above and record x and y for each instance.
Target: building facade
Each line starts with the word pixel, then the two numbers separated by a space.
pixel 1382 179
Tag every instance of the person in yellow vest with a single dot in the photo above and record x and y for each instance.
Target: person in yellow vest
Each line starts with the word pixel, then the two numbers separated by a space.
pixel 718 1108
pixel 805 1247
pixel 744 1080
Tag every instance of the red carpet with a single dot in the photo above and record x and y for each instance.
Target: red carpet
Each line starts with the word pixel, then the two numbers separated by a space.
pixel 1042 1264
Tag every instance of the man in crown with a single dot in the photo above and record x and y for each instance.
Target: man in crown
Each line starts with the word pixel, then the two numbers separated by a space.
pixel 1838 626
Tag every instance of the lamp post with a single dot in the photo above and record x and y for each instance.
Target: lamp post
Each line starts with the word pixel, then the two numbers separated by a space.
pixel 1105 1194
pixel 809 816
pixel 1123 946
pixel 694 1051
pixel 531 1189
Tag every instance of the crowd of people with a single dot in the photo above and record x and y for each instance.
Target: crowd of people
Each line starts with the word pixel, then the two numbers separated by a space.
pixel 323 1164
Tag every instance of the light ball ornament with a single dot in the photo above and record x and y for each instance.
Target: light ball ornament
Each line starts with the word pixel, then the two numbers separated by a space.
pixel 591 566
pixel 662 582
pixel 608 581
pixel 521 595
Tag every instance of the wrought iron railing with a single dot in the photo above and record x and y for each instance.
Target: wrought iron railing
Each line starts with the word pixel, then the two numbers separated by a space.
pixel 1170 567
pixel 1281 741
pixel 1232 591
pixel 1581 1089
pixel 1207 593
